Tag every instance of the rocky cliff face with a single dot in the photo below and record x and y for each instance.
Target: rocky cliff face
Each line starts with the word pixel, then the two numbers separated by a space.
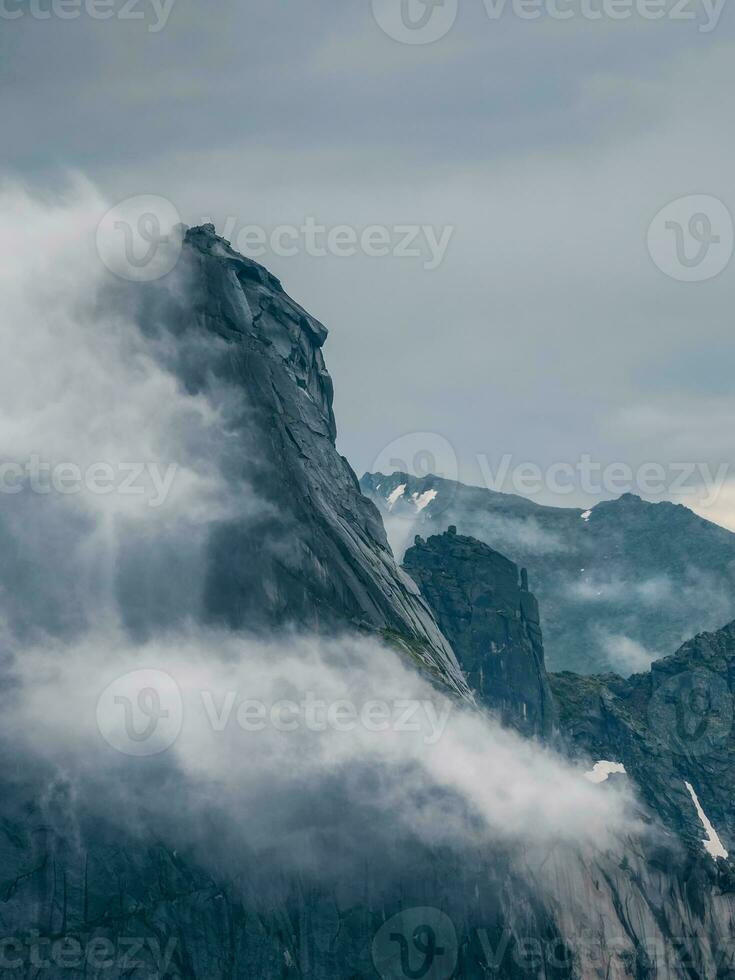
pixel 87 902
pixel 309 551
pixel 482 604
pixel 619 585
pixel 672 728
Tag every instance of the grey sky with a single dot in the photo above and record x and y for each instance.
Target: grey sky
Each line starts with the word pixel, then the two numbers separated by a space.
pixel 546 332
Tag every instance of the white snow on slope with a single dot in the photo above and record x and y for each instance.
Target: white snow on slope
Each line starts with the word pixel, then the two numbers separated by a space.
pixel 423 499
pixel 395 494
pixel 586 516
pixel 712 844
pixel 602 769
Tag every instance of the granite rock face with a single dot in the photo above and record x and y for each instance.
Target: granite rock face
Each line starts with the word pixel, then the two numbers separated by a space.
pixel 482 604
pixel 306 549
pixel 93 905
pixel 619 585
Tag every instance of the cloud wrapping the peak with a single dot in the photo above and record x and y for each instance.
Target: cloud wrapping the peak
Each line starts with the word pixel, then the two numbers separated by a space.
pixel 96 588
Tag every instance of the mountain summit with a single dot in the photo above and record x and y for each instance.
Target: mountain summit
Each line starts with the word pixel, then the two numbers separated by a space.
pixel 317 554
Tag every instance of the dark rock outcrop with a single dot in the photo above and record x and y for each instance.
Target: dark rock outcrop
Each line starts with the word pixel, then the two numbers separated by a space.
pixel 482 604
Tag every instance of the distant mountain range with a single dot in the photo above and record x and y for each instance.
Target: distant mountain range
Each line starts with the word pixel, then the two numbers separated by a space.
pixel 619 585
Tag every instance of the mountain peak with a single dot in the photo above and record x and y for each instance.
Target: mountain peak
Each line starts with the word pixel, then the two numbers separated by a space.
pixel 482 604
pixel 317 554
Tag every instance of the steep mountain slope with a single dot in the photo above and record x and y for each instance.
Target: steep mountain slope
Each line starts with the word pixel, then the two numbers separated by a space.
pixel 618 586
pixel 482 603
pixel 91 908
pixel 317 555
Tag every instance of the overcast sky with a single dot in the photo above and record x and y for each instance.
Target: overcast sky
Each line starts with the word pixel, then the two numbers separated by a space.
pixel 545 147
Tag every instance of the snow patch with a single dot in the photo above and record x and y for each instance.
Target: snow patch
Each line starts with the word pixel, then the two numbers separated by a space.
pixel 423 499
pixel 586 516
pixel 394 495
pixel 602 769
pixel 712 843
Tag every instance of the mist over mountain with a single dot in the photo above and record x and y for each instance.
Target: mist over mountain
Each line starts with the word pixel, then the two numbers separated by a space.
pixel 237 740
pixel 619 585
